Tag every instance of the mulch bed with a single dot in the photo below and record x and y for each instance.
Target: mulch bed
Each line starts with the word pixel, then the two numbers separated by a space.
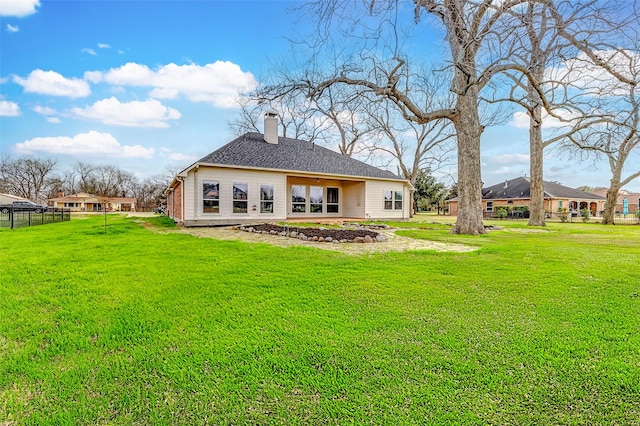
pixel 333 234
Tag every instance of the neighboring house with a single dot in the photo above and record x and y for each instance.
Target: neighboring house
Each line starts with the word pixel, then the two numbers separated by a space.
pixel 633 200
pixel 8 198
pixel 257 178
pixel 517 192
pixel 83 202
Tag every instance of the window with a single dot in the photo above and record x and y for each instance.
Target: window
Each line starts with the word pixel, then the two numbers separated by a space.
pixel 393 200
pixel 388 200
pixel 298 198
pixel 240 197
pixel 315 199
pixel 489 206
pixel 559 204
pixel 332 200
pixel 398 205
pixel 266 198
pixel 210 197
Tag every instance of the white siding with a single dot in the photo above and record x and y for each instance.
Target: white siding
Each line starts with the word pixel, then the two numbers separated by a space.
pixel 353 200
pixel 375 200
pixel 226 179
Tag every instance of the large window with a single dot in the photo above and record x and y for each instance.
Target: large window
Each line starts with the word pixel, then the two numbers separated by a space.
pixel 266 198
pixel 393 200
pixel 240 197
pixel 298 198
pixel 210 197
pixel 332 200
pixel 315 199
pixel 489 206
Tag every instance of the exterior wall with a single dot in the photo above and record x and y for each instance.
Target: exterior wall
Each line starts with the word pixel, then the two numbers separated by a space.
pixel 325 183
pixel 353 199
pixel 357 199
pixel 375 200
pixel 193 197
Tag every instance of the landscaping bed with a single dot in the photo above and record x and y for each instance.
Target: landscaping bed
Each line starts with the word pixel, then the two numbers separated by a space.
pixel 328 235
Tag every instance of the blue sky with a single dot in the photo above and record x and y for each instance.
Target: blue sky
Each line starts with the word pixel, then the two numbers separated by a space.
pixel 149 85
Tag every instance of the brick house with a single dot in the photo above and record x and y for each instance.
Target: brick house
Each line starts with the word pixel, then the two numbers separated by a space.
pixel 517 193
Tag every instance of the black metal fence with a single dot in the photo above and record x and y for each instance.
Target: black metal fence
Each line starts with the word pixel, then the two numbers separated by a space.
pixel 21 218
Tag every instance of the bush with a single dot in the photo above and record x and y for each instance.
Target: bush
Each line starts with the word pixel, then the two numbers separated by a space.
pixel 586 215
pixel 501 212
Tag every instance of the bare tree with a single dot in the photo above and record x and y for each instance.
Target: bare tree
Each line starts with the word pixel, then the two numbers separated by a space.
pixel 618 139
pixel 26 177
pixel 294 111
pixel 480 48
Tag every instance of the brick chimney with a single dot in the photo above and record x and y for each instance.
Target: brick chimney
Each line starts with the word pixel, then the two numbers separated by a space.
pixel 271 122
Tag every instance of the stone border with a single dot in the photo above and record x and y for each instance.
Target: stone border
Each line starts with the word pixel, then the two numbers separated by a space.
pixel 307 233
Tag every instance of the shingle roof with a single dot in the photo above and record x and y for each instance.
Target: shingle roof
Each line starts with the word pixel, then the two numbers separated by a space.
pixel 251 150
pixel 520 187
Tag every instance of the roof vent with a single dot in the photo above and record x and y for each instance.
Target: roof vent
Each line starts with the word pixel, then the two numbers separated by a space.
pixel 271 127
pixel 506 183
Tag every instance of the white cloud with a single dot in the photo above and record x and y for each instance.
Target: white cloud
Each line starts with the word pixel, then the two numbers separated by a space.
pixel 218 83
pixel 52 83
pixel 49 113
pixel 9 109
pixel 18 8
pixel 511 159
pixel 45 110
pixel 103 46
pixel 12 28
pixel 582 73
pixel 89 51
pixel 176 156
pixel 521 120
pixel 92 143
pixel 149 113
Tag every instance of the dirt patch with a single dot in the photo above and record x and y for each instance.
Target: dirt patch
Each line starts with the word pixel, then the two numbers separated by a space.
pixel 394 242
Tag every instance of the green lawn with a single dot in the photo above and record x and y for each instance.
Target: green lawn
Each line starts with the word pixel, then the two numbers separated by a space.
pixel 133 326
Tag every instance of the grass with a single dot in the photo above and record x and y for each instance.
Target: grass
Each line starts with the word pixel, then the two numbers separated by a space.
pixel 538 326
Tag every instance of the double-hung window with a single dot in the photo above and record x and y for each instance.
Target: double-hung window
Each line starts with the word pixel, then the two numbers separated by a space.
pixel 266 198
pixel 240 197
pixel 393 200
pixel 210 196
pixel 489 206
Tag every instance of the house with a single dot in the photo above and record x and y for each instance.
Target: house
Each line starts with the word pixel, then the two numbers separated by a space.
pixel 84 202
pixel 265 178
pixel 633 200
pixel 8 198
pixel 517 193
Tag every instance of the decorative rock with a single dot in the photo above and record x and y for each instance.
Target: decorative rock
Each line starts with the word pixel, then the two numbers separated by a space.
pixel 359 240
pixel 293 234
pixel 314 238
pixel 381 238
pixel 328 239
pixel 368 239
pixel 321 240
pixel 344 240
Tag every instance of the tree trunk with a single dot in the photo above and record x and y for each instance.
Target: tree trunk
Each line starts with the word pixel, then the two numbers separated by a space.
pixel 612 198
pixel 610 207
pixel 536 208
pixel 469 130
